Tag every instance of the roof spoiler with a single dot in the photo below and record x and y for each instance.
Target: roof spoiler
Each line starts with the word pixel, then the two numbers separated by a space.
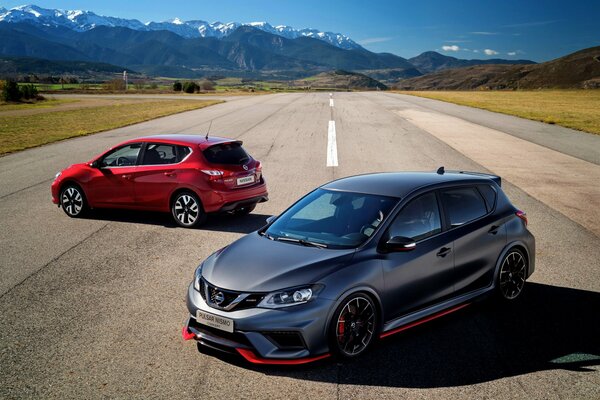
pixel 495 178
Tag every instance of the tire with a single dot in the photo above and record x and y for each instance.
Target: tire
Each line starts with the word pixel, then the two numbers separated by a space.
pixel 512 274
pixel 354 326
pixel 73 201
pixel 243 211
pixel 187 210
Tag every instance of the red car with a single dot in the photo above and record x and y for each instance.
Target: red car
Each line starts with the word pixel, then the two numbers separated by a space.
pixel 186 175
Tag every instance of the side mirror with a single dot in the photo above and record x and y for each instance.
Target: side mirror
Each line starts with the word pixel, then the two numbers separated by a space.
pixel 95 164
pixel 400 243
pixel 270 219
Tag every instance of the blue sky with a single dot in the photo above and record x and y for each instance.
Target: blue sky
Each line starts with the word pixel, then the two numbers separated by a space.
pixel 536 30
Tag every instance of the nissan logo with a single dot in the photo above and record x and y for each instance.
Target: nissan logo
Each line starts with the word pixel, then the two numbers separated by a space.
pixel 246 167
pixel 219 298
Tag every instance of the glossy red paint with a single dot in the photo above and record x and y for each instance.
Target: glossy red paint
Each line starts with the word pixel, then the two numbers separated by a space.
pixel 422 321
pixel 151 187
pixel 254 359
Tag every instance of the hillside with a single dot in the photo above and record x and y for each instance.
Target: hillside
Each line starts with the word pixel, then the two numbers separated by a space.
pixel 431 61
pixel 340 79
pixel 29 65
pixel 577 70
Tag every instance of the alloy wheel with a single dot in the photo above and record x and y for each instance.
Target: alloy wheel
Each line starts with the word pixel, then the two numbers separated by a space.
pixel 355 326
pixel 72 201
pixel 186 209
pixel 512 275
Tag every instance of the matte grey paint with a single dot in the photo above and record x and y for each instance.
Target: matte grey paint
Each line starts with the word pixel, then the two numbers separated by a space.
pixel 406 286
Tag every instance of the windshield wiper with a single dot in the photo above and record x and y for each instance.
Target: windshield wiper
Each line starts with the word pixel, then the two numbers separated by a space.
pixel 302 242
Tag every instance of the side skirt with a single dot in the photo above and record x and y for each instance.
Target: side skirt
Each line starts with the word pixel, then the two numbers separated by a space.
pixel 430 313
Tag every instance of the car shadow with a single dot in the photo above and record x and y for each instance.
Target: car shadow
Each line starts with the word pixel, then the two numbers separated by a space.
pixel 549 328
pixel 221 222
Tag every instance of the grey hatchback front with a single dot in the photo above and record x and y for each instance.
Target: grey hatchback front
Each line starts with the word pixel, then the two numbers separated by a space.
pixel 357 259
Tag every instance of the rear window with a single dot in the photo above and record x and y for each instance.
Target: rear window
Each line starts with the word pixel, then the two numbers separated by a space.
pixel 226 153
pixel 463 205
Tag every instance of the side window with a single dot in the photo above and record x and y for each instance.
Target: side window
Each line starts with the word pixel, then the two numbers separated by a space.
pixel 489 194
pixel 182 153
pixel 160 153
pixel 419 219
pixel 463 205
pixel 122 156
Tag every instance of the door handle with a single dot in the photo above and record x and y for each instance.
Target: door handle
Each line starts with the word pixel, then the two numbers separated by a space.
pixel 126 176
pixel 443 252
pixel 494 229
pixel 170 174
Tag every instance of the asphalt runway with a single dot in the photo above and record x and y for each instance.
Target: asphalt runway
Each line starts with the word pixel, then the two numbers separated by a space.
pixel 93 308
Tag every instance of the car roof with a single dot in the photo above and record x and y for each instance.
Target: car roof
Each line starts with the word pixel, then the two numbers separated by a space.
pixel 400 184
pixel 188 140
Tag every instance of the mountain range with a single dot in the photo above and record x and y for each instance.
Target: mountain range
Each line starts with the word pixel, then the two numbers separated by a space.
pixel 79 20
pixel 195 48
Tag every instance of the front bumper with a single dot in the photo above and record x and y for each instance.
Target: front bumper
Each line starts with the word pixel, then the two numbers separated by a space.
pixel 257 331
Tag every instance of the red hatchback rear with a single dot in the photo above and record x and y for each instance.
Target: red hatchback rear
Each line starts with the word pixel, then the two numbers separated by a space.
pixel 186 175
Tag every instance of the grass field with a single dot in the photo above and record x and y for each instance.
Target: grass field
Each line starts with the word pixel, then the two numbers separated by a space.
pixel 49 103
pixel 577 109
pixel 22 132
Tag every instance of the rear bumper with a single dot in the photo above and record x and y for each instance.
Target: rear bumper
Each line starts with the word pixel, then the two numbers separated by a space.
pixel 229 200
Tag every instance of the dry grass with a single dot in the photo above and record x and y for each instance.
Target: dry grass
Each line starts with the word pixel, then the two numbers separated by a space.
pixel 34 104
pixel 577 109
pixel 22 132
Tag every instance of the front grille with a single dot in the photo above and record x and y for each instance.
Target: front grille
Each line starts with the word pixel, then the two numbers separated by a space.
pixel 222 299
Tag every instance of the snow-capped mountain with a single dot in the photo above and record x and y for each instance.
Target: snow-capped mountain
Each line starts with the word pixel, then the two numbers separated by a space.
pixel 85 20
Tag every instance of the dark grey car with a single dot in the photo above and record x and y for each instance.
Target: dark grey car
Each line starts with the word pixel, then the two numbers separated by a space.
pixel 357 259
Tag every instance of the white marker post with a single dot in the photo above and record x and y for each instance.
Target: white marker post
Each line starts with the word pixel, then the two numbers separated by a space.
pixel 125 79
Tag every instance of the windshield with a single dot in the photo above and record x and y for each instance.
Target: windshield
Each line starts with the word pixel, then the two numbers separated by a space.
pixel 226 153
pixel 332 219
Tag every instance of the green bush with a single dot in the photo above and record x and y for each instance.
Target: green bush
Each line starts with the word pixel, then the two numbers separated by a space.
pixel 29 91
pixel 10 91
pixel 190 87
pixel 177 86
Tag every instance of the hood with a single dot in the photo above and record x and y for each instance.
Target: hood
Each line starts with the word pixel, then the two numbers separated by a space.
pixel 257 264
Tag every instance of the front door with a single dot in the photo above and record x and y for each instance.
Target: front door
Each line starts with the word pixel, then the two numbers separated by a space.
pixel 425 275
pixel 112 185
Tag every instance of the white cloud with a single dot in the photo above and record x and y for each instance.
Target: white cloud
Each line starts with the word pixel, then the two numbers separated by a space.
pixel 375 40
pixel 451 48
pixel 475 51
pixel 483 33
pixel 490 52
pixel 512 53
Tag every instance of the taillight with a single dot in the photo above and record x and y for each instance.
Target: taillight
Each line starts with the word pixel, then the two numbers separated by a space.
pixel 258 170
pixel 214 175
pixel 522 215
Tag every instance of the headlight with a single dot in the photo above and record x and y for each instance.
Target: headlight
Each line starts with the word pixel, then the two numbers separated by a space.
pixel 197 277
pixel 57 175
pixel 290 297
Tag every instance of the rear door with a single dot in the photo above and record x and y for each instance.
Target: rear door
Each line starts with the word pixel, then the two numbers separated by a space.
pixel 423 276
pixel 479 235
pixel 157 175
pixel 113 185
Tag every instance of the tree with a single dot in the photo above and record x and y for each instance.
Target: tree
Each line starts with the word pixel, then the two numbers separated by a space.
pixel 177 86
pixel 28 91
pixel 10 91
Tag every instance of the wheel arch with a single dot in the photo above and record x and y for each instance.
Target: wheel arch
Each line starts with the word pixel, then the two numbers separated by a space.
pixel 365 289
pixel 517 244
pixel 184 189
pixel 71 181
